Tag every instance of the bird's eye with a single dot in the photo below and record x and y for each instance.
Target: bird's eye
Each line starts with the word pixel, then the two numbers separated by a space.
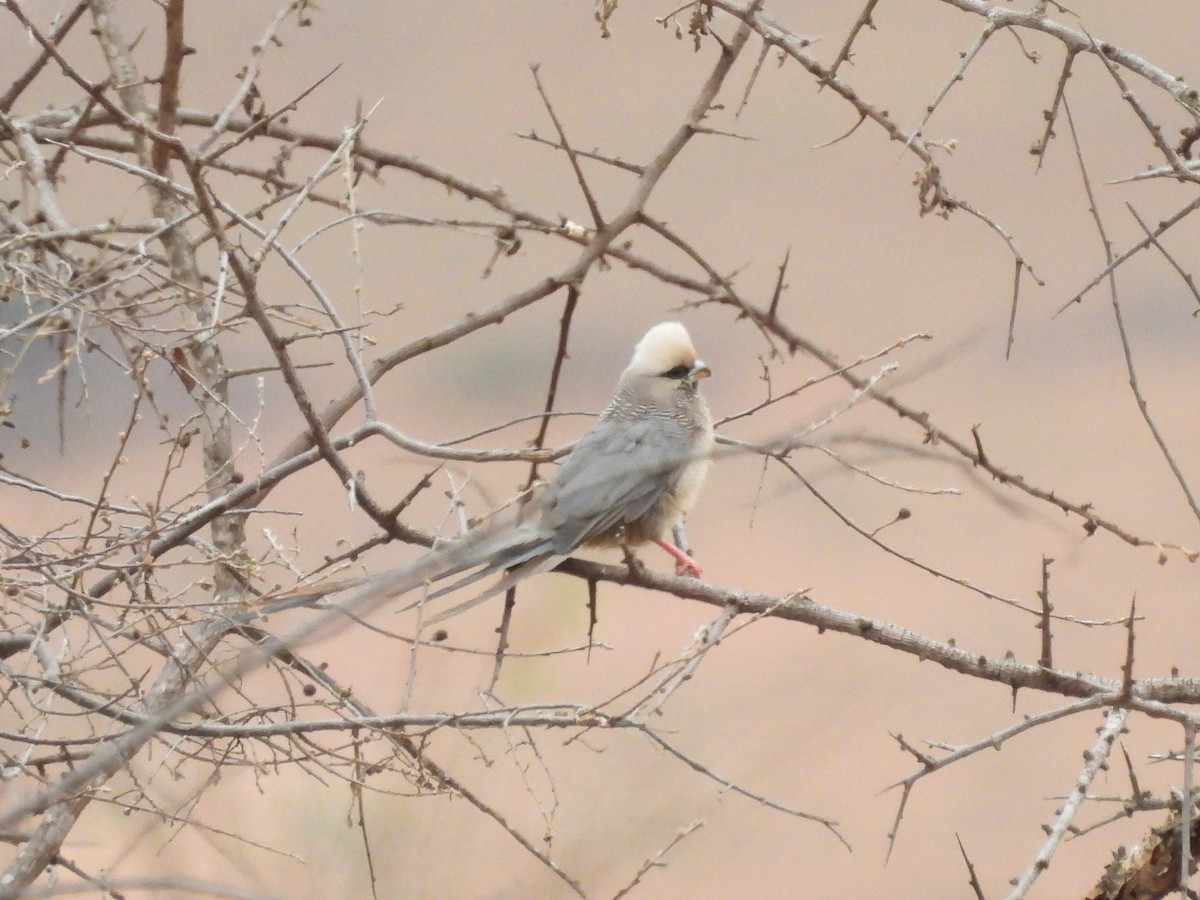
pixel 677 372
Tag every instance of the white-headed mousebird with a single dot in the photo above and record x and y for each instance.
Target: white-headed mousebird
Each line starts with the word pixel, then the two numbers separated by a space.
pixel 629 481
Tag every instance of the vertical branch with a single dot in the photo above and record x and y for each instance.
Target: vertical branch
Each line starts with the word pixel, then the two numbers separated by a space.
pixel 1047 657
pixel 168 93
pixel 1187 805
pixel 975 885
pixel 1130 643
pixel 1012 311
pixel 773 309
pixel 560 354
pixel 206 363
pixel 1143 406
pixel 1039 149
pixel 205 359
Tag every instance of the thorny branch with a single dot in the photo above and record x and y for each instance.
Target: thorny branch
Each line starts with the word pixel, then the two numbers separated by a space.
pixel 131 616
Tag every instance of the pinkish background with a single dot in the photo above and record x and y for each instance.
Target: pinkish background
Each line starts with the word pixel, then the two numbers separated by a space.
pixel 800 717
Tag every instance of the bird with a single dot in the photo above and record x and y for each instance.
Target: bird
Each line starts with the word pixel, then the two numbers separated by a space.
pixel 630 480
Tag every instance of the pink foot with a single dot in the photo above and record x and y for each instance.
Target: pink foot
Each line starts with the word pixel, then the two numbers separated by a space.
pixel 684 564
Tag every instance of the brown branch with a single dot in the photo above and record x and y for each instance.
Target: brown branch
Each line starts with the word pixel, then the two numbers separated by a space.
pixel 593 207
pixel 975 885
pixel 560 355
pixel 55 37
pixel 863 21
pixel 1039 149
pixel 613 161
pixel 1127 666
pixel 1047 656
pixel 1118 317
pixel 1188 280
pixel 168 97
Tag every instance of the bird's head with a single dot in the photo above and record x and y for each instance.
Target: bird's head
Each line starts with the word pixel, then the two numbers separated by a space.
pixel 664 364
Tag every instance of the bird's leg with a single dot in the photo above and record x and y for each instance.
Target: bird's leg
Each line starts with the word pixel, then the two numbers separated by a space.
pixel 684 564
pixel 679 536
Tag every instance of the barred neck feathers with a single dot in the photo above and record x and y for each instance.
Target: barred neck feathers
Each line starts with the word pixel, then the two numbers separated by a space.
pixel 660 380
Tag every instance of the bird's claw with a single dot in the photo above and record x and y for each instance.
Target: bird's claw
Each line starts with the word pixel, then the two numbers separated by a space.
pixel 684 564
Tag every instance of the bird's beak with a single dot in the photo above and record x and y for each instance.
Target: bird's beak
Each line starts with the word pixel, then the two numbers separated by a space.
pixel 699 370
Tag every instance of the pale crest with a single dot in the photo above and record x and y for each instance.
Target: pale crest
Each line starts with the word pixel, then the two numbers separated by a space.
pixel 663 347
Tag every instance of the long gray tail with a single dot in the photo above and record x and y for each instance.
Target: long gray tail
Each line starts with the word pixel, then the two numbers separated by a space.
pixel 523 550
pixel 540 563
pixel 494 552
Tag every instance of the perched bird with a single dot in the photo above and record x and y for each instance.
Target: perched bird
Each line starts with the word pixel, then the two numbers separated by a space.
pixel 630 480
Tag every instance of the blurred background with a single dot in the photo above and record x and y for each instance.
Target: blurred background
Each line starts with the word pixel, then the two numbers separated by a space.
pixel 802 718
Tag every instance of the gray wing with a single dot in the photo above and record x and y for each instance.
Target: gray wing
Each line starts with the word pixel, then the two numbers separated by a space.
pixel 613 476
